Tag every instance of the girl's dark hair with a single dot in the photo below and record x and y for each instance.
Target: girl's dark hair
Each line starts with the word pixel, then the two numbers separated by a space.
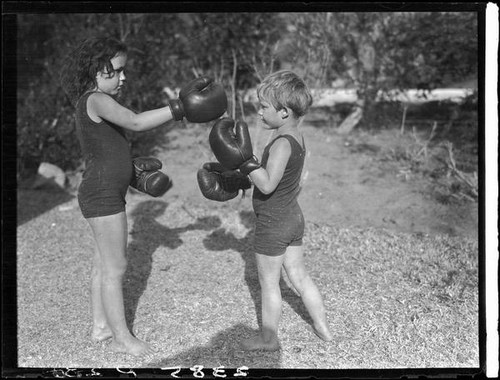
pixel 82 64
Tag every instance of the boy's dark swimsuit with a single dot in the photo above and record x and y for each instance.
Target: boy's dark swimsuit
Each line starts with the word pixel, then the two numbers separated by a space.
pixel 280 222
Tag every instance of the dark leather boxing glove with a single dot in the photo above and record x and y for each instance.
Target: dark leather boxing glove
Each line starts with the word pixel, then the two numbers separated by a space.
pixel 148 178
pixel 219 184
pixel 230 142
pixel 200 101
pixel 146 164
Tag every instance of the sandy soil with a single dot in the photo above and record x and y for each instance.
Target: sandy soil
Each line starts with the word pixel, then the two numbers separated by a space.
pixel 346 182
pixel 353 180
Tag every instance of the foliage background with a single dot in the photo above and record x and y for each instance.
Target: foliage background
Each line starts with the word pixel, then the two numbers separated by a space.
pixel 368 51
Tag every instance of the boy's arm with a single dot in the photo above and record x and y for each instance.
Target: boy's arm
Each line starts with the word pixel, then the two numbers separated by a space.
pixel 266 180
pixel 231 145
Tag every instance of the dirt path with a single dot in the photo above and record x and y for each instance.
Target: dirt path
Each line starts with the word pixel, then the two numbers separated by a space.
pixel 346 182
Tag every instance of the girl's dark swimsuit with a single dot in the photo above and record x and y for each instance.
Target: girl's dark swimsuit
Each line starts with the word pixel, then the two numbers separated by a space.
pixel 280 222
pixel 108 164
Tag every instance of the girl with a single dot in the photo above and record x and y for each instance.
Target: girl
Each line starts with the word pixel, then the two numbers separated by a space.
pixel 93 77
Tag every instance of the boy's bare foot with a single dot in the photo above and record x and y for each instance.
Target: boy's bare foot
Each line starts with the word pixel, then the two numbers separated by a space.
pixel 258 343
pixel 100 334
pixel 133 346
pixel 323 333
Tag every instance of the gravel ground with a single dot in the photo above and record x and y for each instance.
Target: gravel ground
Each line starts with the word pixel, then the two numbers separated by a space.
pixel 394 300
pixel 400 292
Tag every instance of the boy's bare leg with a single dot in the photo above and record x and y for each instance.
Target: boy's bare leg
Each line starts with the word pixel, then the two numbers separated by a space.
pixel 111 234
pixel 302 282
pixel 269 268
pixel 100 327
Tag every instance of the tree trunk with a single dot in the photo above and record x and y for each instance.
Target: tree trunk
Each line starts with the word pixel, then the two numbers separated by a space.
pixel 233 85
pixel 350 122
pixel 364 75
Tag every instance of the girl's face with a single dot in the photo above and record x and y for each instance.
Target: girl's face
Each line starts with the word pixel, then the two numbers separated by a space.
pixel 111 82
pixel 270 116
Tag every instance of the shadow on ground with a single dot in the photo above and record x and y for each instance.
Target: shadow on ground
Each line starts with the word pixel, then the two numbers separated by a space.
pixel 146 236
pixel 33 203
pixel 222 350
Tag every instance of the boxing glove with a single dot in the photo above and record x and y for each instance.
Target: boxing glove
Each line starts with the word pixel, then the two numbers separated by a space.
pixel 148 178
pixel 219 184
pixel 200 101
pixel 230 142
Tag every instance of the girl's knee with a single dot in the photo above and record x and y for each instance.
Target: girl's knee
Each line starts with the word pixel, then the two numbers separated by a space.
pixel 95 271
pixel 112 277
pixel 115 270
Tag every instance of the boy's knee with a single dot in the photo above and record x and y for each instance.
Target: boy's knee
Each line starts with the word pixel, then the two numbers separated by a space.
pixel 297 278
pixel 296 271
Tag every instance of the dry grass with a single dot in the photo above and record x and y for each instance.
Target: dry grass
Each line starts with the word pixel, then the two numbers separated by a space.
pixel 394 300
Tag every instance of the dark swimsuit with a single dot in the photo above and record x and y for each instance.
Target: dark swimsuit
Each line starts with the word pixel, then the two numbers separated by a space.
pixel 108 164
pixel 280 222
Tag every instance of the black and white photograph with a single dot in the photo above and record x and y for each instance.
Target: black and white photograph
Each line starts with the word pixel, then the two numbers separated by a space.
pixel 249 189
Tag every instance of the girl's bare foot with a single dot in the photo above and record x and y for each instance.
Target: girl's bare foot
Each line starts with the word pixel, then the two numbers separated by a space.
pixel 323 333
pixel 100 334
pixel 132 346
pixel 258 343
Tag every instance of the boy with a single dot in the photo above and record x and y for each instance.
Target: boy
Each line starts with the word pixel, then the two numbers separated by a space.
pixel 284 100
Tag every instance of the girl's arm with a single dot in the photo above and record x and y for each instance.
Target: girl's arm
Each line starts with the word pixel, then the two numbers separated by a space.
pixel 268 179
pixel 103 106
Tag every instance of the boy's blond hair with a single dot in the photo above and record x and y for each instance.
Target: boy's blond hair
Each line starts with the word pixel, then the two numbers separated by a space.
pixel 283 89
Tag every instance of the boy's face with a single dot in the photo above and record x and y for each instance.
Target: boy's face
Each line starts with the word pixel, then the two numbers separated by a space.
pixel 270 116
pixel 112 82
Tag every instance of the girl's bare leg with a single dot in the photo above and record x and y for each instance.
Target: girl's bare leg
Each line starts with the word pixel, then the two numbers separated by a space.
pixel 110 233
pixel 269 268
pixel 302 282
pixel 100 328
